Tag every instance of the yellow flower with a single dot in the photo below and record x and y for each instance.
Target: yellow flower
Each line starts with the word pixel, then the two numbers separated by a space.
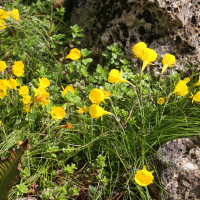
pixel 3 14
pixel 161 100
pixel 67 89
pixel 57 113
pixel 68 126
pixel 2 93
pixel 26 99
pixel 115 77
pixel 23 90
pixel 148 56
pixel 96 96
pixel 181 88
pixel 3 84
pixel 18 68
pixel 12 83
pixel 41 96
pixel 74 54
pixel 144 177
pixel 27 108
pixel 2 65
pixel 197 83
pixel 196 97
pixel 168 61
pixel 97 111
pixel 19 64
pixel 2 24
pixel 14 14
pixel 19 143
pixel 44 82
pixel 137 49
pixel 82 110
pixel 45 102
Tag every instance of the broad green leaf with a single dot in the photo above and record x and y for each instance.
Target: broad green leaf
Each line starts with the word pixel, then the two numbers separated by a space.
pixel 106 53
pixel 85 52
pixel 87 60
pixel 10 169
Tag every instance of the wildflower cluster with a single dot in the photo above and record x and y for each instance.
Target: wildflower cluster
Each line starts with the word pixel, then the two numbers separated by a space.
pixel 5 15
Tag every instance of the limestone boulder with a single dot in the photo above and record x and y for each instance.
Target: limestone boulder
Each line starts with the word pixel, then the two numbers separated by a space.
pixel 167 26
pixel 178 165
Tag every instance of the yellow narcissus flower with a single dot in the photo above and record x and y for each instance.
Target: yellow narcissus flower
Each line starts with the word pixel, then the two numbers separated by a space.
pixel 3 14
pixel 96 96
pixel 45 102
pixel 181 88
pixel 148 56
pixel 2 93
pixel 44 82
pixel 18 68
pixel 74 54
pixel 15 14
pixel 67 89
pixel 115 77
pixel 2 66
pixel 12 83
pixel 137 49
pixel 2 24
pixel 41 96
pixel 97 111
pixel 19 143
pixel 196 97
pixel 168 61
pixel 82 110
pixel 23 90
pixel 27 108
pixel 144 177
pixel 68 126
pixel 3 84
pixel 26 99
pixel 57 113
pixel 161 100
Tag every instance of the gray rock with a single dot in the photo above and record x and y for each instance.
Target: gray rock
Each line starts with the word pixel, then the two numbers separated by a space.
pixel 165 26
pixel 178 166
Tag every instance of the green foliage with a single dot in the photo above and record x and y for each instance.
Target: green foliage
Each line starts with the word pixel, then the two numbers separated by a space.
pixel 10 169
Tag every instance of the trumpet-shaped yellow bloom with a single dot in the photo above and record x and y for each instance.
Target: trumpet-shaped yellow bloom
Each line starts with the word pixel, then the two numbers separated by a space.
pixel 115 77
pixel 181 88
pixel 12 83
pixel 15 14
pixel 26 99
pixel 18 68
pixel 67 89
pixel 44 82
pixel 137 49
pixel 148 56
pixel 27 108
pixel 82 110
pixel 2 24
pixel 168 61
pixel 96 96
pixel 97 111
pixel 41 96
pixel 2 93
pixel 3 84
pixel 74 54
pixel 161 100
pixel 57 113
pixel 23 90
pixel 3 14
pixel 196 97
pixel 2 66
pixel 68 126
pixel 197 83
pixel 144 177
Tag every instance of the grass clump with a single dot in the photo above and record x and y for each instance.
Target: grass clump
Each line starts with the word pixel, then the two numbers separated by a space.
pixel 90 134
